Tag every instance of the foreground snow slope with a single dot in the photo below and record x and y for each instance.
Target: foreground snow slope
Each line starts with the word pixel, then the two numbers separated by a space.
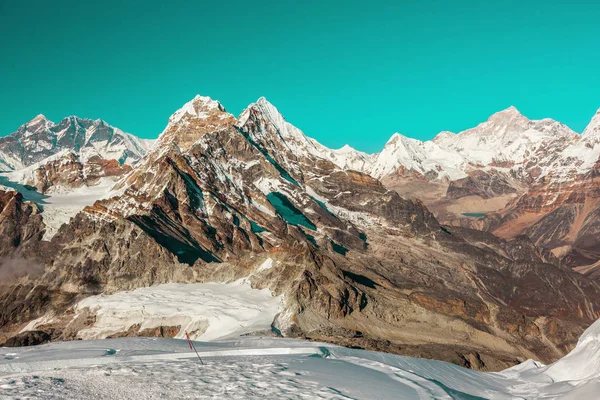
pixel 258 367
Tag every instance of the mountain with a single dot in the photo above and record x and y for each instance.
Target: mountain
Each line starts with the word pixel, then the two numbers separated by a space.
pixel 40 138
pixel 507 143
pixel 508 139
pixel 556 204
pixel 509 175
pixel 73 154
pixel 422 158
pixel 223 199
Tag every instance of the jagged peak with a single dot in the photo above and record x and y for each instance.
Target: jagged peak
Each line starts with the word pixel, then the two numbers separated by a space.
pixel 394 138
pixel 206 100
pixel 263 100
pixel 398 137
pixel 593 127
pixel 507 114
pixel 39 119
pixel 268 110
pixel 194 119
pixel 267 107
pixel 198 107
pixel 73 118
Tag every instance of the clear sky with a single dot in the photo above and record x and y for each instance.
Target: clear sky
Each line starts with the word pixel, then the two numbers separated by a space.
pixel 342 71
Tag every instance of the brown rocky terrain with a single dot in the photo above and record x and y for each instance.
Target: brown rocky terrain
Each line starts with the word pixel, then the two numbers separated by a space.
pixel 69 172
pixel 358 264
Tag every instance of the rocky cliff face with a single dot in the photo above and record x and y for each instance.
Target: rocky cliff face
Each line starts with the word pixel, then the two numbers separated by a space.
pixel 357 264
pixel 21 224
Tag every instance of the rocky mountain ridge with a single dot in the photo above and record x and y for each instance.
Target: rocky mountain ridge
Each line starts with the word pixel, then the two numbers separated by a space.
pixel 356 263
pixel 509 175
pixel 40 138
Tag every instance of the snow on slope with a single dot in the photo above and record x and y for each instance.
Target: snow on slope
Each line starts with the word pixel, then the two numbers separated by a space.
pixel 301 145
pixel 258 367
pixel 581 155
pixel 346 157
pixel 207 311
pixel 28 174
pixel 252 367
pixel 41 138
pixel 506 136
pixel 293 138
pixel 59 208
pixel 421 157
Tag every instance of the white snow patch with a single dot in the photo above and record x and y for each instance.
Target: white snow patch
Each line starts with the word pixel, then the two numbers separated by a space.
pixel 59 208
pixel 266 265
pixel 259 367
pixel 207 311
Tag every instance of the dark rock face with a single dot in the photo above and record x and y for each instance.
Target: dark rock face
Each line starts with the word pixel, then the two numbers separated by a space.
pixel 366 268
pixel 480 183
pixel 21 226
pixel 30 338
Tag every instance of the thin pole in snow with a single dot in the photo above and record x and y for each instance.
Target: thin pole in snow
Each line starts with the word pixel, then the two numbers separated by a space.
pixel 192 347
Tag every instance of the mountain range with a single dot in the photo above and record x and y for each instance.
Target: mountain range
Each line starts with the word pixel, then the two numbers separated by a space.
pixel 478 248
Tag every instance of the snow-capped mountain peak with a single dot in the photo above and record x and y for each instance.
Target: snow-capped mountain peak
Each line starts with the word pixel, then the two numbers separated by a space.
pixel 443 135
pixel 266 113
pixel 505 122
pixel 39 122
pixel 198 107
pixel 417 156
pixel 272 114
pixel 40 138
pixel 346 149
pixel 507 137
pixel 196 117
pixel 510 111
pixel 37 119
pixel 593 128
pixel 278 135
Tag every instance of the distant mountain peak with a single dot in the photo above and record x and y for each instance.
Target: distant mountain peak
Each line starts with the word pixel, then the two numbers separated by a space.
pixel 40 138
pixel 593 127
pixel 346 148
pixel 39 117
pixel 262 100
pixel 39 121
pixel 512 110
pixel 398 137
pixel 443 135
pixel 508 114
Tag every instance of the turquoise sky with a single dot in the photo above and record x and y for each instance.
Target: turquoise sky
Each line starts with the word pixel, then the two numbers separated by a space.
pixel 344 72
